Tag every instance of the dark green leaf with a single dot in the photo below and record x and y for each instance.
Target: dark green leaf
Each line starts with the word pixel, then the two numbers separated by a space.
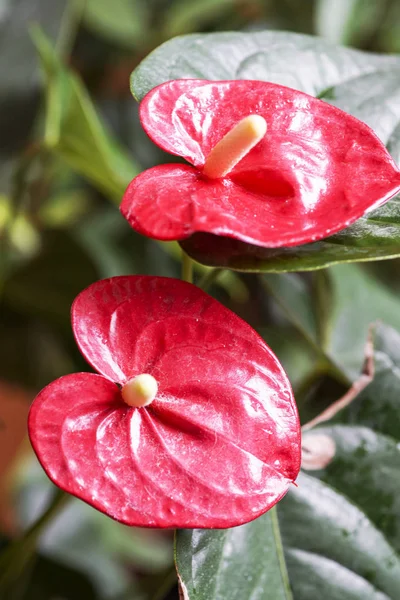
pixel 378 406
pixel 341 534
pixel 333 550
pixel 293 296
pixel 359 300
pixel 356 301
pixel 373 237
pixel 366 469
pixel 242 562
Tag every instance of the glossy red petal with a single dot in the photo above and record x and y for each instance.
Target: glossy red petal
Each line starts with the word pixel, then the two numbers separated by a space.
pixel 219 445
pixel 317 170
pixel 157 114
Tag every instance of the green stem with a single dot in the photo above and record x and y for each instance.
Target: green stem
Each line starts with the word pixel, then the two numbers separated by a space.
pixel 18 555
pixel 187 268
pixel 209 278
pixel 69 28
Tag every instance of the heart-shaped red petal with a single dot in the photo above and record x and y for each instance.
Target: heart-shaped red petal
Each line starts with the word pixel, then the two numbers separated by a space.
pixel 218 446
pixel 315 172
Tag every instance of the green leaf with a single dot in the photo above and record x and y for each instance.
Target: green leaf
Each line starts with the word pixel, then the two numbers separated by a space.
pixel 125 24
pixel 294 297
pixel 373 237
pixel 357 300
pixel 378 406
pixel 366 469
pixel 74 130
pixel 342 533
pixel 242 562
pixel 303 62
pixel 363 84
pixel 333 550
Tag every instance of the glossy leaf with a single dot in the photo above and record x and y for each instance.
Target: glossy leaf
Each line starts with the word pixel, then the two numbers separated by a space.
pixel 373 237
pixel 366 469
pixel 220 443
pixel 242 562
pixel 340 527
pixel 365 472
pixel 302 62
pixel 378 406
pixel 74 130
pixel 332 549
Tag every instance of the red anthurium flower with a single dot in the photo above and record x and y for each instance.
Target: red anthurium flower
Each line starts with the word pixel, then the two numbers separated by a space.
pixel 272 166
pixel 191 422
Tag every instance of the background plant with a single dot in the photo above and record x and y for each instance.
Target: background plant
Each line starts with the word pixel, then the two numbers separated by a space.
pixel 71 141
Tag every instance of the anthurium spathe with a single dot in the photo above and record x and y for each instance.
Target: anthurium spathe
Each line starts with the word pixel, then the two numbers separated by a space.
pixel 272 166
pixel 191 421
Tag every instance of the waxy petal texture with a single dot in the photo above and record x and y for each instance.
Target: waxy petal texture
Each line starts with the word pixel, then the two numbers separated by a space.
pixel 315 172
pixel 218 446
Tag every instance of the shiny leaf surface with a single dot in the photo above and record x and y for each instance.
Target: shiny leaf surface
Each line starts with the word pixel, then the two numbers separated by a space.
pixel 237 563
pixel 220 443
pixel 372 237
pixel 303 62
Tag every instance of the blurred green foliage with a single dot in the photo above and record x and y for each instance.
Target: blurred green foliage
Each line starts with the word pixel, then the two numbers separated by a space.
pixel 70 141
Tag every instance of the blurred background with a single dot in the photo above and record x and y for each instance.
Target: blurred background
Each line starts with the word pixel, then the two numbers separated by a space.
pixel 61 230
